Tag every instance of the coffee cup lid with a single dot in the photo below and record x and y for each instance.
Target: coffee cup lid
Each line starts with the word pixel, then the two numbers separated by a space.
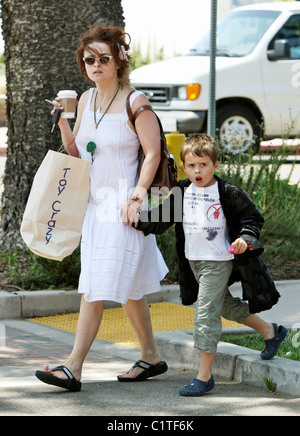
pixel 67 93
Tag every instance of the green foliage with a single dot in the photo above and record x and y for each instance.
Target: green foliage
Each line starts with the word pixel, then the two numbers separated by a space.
pixel 167 245
pixel 152 55
pixel 138 60
pixel 27 271
pixel 270 384
pixel 256 342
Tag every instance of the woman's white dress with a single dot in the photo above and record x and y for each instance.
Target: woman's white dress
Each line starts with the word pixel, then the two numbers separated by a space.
pixel 117 262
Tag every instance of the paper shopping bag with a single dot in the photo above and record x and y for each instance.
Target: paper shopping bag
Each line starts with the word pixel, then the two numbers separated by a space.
pixel 56 206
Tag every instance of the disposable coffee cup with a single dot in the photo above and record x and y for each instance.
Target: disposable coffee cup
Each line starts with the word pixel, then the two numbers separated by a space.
pixel 68 101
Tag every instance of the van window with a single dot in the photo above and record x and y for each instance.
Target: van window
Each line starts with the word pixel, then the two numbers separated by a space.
pixel 291 32
pixel 237 33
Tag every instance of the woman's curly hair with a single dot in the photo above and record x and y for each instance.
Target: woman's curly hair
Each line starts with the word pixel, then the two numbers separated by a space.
pixel 115 37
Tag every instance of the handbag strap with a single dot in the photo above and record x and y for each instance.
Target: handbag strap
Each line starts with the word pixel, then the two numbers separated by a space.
pixel 129 110
pixel 133 116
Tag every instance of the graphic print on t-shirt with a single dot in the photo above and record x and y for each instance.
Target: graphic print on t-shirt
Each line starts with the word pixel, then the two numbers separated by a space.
pixel 214 212
pixel 204 224
pixel 214 215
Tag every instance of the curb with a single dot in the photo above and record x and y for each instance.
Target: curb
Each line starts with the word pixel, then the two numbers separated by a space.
pixel 231 362
pixel 30 304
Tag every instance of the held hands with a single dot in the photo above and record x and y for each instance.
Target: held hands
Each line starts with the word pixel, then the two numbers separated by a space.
pixel 239 246
pixel 130 212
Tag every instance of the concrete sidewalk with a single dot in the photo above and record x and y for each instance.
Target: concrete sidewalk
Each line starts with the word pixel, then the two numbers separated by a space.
pixel 29 346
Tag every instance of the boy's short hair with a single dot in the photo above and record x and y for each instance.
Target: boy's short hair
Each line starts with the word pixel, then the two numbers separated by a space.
pixel 199 144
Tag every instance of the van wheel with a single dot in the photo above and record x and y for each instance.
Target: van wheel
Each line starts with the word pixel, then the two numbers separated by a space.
pixel 238 129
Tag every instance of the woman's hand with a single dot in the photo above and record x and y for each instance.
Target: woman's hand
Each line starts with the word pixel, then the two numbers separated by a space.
pixel 68 136
pixel 56 105
pixel 130 213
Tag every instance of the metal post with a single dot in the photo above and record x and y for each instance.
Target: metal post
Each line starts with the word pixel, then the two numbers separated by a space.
pixel 211 122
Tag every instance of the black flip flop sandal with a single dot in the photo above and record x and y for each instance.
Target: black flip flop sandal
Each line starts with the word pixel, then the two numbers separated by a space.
pixel 71 384
pixel 149 371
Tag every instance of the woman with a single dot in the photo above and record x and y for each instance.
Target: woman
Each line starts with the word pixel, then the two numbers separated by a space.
pixel 117 263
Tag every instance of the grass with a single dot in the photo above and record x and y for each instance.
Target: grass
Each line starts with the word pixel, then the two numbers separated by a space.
pixel 270 384
pixel 289 349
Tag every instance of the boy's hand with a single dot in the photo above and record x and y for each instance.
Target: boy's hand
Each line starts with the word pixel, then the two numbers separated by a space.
pixel 240 246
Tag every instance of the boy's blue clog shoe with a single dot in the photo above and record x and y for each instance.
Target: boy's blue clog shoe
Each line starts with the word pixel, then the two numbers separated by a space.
pixel 272 345
pixel 197 388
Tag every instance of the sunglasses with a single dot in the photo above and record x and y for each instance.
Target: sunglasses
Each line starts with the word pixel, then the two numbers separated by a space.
pixel 90 60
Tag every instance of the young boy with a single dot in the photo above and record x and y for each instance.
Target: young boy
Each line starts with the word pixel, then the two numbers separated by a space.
pixel 215 216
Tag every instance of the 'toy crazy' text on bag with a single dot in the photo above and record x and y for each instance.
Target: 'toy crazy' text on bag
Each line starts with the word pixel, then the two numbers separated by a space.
pixel 55 205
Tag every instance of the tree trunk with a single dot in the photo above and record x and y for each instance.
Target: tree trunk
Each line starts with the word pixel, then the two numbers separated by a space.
pixel 41 37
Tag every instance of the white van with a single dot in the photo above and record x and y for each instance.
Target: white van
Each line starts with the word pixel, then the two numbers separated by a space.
pixel 257 85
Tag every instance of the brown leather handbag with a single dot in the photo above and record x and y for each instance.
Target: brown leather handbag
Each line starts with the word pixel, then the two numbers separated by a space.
pixel 166 174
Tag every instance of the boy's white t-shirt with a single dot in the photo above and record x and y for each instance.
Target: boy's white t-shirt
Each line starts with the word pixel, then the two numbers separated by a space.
pixel 204 224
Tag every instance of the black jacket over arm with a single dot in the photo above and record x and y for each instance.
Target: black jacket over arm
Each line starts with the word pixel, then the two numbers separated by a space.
pixel 243 219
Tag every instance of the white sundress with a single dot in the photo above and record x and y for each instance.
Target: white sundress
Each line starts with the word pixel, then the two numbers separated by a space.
pixel 118 262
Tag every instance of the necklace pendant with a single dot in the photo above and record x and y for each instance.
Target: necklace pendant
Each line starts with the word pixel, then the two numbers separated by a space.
pixel 90 148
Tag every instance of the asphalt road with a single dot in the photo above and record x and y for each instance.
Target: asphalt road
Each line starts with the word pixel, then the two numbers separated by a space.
pixel 157 398
pixel 22 394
